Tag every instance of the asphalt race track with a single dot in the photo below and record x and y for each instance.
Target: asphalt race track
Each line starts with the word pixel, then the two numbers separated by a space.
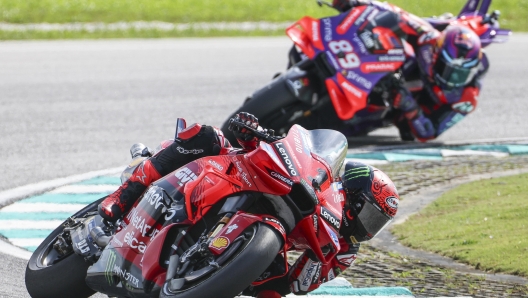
pixel 70 107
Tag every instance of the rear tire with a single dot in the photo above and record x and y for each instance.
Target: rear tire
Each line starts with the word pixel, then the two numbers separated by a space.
pixel 65 277
pixel 244 267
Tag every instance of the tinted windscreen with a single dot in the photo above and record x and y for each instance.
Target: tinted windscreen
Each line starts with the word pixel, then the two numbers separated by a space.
pixel 330 145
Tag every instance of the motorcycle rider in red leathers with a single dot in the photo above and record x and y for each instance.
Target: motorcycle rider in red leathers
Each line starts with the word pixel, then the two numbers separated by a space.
pixel 371 204
pixel 442 81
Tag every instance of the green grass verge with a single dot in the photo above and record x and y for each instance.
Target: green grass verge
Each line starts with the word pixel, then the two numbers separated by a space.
pixel 514 14
pixel 484 223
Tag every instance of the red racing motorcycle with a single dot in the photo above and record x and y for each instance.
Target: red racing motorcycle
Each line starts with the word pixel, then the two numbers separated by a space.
pixel 340 74
pixel 208 229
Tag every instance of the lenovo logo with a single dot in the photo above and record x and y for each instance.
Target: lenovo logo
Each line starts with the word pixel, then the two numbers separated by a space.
pixel 286 159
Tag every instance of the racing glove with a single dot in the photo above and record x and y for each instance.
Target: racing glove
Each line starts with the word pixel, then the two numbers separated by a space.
pixel 244 136
pixel 422 127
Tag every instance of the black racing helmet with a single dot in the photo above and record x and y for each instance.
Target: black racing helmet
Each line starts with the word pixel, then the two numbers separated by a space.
pixel 372 202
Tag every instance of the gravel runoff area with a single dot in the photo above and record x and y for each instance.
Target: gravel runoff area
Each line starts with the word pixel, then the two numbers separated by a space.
pixel 384 262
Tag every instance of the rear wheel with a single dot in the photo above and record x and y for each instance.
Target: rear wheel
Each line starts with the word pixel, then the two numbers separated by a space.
pixel 50 273
pixel 242 263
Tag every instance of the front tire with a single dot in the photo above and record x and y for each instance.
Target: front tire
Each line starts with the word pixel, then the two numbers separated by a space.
pixel 244 267
pixel 48 274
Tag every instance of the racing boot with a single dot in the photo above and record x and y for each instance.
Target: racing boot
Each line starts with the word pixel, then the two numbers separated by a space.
pixel 120 202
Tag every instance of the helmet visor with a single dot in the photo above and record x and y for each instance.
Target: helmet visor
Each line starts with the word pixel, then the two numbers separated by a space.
pixel 373 219
pixel 455 72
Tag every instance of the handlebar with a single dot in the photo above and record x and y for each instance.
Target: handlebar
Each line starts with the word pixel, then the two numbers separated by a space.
pixel 265 135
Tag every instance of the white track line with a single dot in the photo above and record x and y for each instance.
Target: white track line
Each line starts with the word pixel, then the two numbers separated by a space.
pixel 15 194
pixel 18 193
pixel 26 241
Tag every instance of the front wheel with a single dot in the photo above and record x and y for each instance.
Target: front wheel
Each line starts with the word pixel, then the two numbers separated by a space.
pixel 52 274
pixel 260 245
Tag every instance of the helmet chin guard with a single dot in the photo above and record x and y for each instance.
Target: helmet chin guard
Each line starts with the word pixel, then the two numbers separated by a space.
pixel 372 202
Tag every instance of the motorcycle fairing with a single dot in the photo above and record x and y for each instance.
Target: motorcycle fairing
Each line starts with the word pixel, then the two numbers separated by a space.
pixel 317 164
pixel 345 45
pixel 180 198
pixel 113 274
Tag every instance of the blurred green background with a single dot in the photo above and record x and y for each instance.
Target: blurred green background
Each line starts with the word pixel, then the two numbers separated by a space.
pixel 514 14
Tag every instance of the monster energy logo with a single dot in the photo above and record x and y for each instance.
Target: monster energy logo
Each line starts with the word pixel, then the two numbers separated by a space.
pixel 357 172
pixel 109 271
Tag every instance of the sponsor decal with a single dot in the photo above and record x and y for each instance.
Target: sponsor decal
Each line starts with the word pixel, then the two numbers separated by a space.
pixel 243 174
pixel 216 165
pixel 309 271
pixel 185 175
pixel 138 222
pixel 231 228
pixel 327 29
pixel 360 80
pixel 192 151
pixel 387 58
pixel 369 67
pixel 280 177
pixel 141 173
pixel 209 180
pixel 337 186
pixel 296 85
pixel 373 14
pixel 363 16
pixel 219 243
pixel 297 141
pixel 286 159
pixel 395 52
pixel 392 202
pixel 310 190
pixel 334 237
pixel 350 88
pixel 134 243
pixel 348 21
pixel 330 218
pixel 315 31
pixel 124 274
pixel 273 220
pixel 360 44
pixel 367 39
pixel 347 259
pixel 154 197
pixel 110 263
pixel 83 246
pixel 332 60
pixel 338 197
pixel 357 172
